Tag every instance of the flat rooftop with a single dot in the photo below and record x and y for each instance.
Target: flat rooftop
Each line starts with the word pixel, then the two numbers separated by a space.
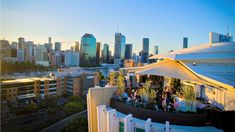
pixel 25 80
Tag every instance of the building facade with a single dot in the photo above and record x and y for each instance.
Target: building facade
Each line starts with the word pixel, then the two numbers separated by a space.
pixel 128 51
pixel 98 44
pixel 88 50
pixel 71 59
pixel 57 46
pixel 105 53
pixel 145 51
pixel 155 52
pixel 75 46
pixel 119 48
pixel 185 42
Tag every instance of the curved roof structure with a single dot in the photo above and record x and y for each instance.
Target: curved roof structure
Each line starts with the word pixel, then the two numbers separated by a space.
pixel 213 62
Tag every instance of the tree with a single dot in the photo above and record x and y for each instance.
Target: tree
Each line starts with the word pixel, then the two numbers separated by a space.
pixel 73 107
pixel 189 94
pixel 31 107
pixel 121 83
pixel 79 124
pixel 101 76
pixel 152 96
pixel 146 90
pixel 112 76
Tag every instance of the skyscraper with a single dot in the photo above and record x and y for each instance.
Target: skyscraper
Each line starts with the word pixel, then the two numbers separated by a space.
pixel 128 52
pixel 146 45
pixel 75 46
pixel 97 52
pixel 71 59
pixel 57 46
pixel 41 53
pixel 155 52
pixel 123 47
pixel 21 43
pixel 29 51
pixel 49 40
pixel 49 45
pixel 21 50
pixel 105 53
pixel 145 52
pixel 56 59
pixel 185 42
pixel 88 50
pixel 119 50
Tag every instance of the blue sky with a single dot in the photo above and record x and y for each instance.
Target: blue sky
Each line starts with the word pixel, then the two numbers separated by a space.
pixel 164 22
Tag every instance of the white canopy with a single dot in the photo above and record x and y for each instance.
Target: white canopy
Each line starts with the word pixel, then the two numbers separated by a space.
pixel 169 68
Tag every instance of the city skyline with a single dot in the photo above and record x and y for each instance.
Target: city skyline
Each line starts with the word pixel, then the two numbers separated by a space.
pixel 66 22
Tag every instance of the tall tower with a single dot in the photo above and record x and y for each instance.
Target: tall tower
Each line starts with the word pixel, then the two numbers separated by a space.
pixel 21 50
pixel 98 52
pixel 117 48
pixel 57 46
pixel 145 52
pixel 88 50
pixel 105 53
pixel 155 52
pixel 128 52
pixel 185 42
pixel 49 40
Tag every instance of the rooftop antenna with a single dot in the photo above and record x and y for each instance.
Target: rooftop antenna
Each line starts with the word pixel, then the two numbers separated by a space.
pixel 118 28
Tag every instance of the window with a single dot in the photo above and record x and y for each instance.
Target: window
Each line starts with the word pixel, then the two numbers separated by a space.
pixel 121 127
pixel 139 129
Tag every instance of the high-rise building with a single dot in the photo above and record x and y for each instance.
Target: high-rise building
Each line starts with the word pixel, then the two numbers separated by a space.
pixel 29 51
pixel 75 46
pixel 20 55
pixel 146 45
pixel 57 46
pixel 71 59
pixel 123 47
pixel 128 51
pixel 41 53
pixel 155 52
pixel 185 42
pixel 49 40
pixel 119 50
pixel 88 50
pixel 105 53
pixel 14 45
pixel 97 52
pixel 144 57
pixel 145 52
pixel 49 45
pixel 56 59
pixel 21 50
pixel 21 43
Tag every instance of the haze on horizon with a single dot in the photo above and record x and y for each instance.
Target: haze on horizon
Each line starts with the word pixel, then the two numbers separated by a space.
pixel 165 23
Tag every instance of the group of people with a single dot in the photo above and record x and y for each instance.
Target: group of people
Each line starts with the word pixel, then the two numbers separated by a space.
pixel 165 99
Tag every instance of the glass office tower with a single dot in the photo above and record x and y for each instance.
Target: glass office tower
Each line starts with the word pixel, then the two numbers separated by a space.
pixel 88 50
